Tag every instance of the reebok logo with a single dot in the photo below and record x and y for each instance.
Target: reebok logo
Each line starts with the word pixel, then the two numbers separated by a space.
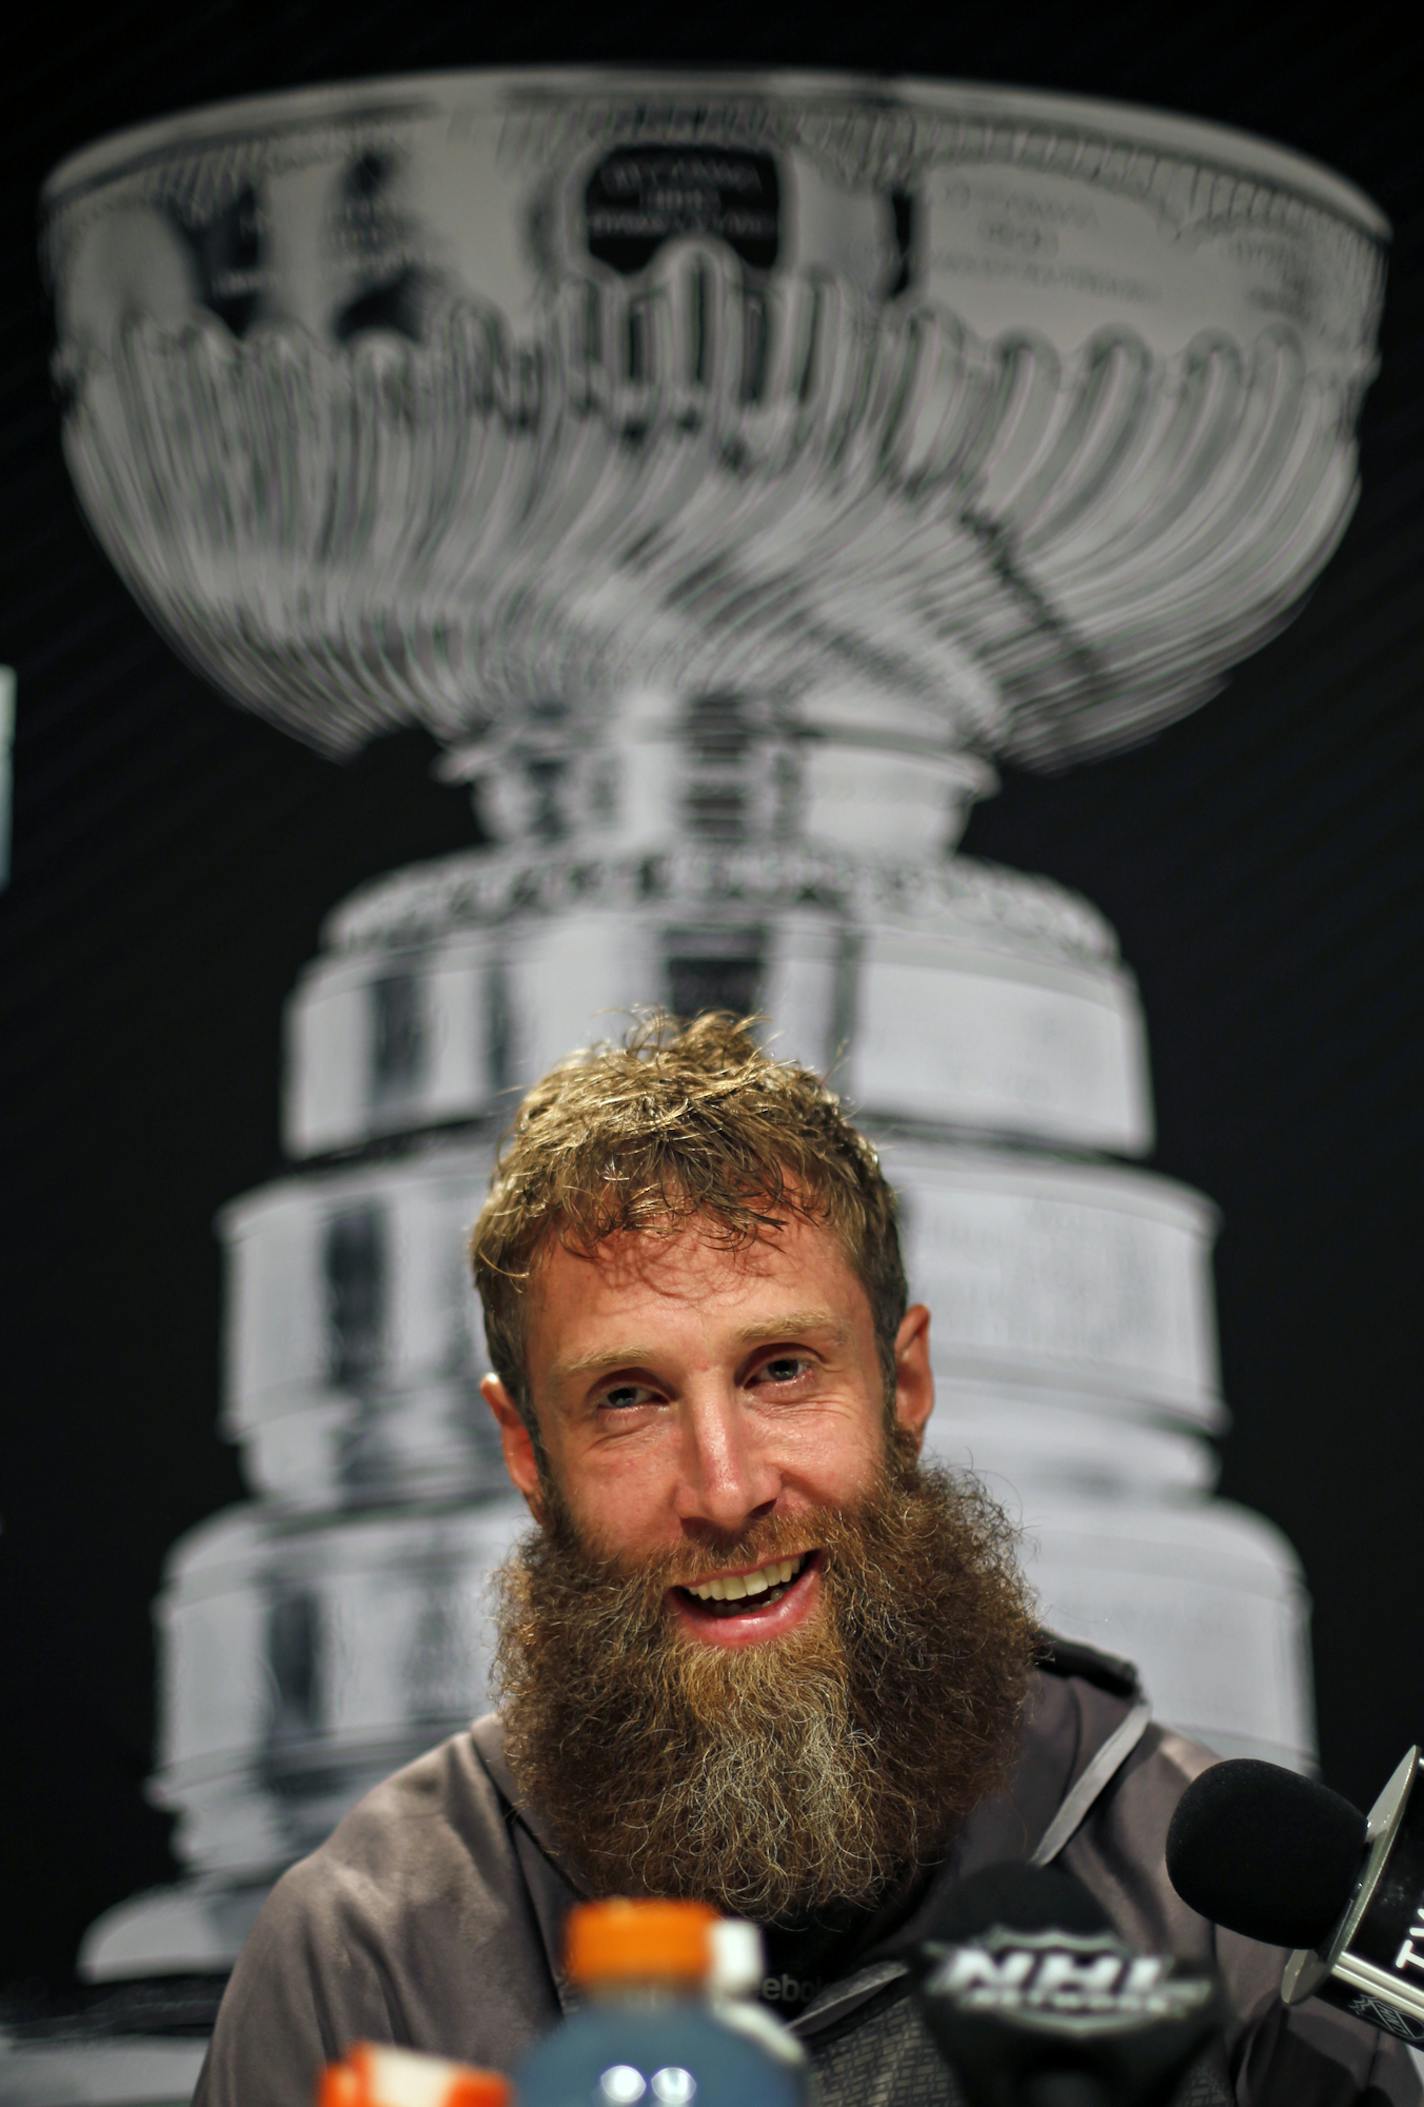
pixel 789 1989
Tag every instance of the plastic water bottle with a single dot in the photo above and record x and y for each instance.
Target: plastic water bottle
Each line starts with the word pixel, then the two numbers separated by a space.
pixel 738 1967
pixel 647 2035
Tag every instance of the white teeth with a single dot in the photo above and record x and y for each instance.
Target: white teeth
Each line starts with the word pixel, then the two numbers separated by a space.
pixel 733 1586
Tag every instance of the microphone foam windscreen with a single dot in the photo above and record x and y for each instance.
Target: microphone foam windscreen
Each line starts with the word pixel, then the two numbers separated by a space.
pixel 1266 1852
pixel 1016 1897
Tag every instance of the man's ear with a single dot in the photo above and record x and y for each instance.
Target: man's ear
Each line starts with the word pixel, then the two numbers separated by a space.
pixel 914 1378
pixel 516 1441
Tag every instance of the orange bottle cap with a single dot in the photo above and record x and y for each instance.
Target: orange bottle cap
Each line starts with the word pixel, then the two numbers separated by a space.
pixel 621 1940
pixel 477 2088
pixel 338 2086
pixel 402 2077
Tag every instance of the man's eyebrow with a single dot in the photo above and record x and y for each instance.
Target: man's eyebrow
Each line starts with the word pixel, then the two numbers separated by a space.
pixel 787 1324
pixel 596 1363
pixel 795 1324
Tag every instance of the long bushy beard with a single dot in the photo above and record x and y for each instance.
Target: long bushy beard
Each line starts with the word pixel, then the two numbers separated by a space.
pixel 773 1779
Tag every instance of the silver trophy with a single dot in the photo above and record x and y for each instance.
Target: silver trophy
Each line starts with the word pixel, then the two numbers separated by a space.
pixel 726 469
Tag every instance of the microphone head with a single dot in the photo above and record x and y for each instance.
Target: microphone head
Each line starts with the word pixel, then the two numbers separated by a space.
pixel 1027 1988
pixel 1266 1852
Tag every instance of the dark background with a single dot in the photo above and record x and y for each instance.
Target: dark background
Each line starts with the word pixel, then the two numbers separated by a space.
pixel 172 860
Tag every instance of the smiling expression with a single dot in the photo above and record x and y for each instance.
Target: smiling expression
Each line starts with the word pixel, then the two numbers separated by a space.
pixel 698 1406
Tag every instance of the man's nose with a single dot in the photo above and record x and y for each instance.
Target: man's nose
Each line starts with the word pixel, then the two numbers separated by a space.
pixel 727 1476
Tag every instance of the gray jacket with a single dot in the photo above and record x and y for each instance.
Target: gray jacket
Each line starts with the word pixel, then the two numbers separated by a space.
pixel 432 1918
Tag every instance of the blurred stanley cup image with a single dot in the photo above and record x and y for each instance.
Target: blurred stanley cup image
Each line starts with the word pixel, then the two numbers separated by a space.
pixel 727 470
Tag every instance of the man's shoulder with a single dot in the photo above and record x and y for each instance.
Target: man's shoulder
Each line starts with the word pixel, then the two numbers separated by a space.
pixel 1129 1770
pixel 1126 1769
pixel 434 1830
pixel 1075 1658
pixel 1105 1691
pixel 430 1876
pixel 420 1920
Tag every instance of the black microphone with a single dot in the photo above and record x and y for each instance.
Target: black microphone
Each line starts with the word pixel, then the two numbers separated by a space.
pixel 1034 2001
pixel 1279 1858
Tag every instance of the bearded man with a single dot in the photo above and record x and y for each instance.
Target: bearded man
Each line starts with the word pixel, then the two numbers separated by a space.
pixel 754 1652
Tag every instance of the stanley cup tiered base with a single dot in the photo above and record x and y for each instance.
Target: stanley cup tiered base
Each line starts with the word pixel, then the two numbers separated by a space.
pixel 725 470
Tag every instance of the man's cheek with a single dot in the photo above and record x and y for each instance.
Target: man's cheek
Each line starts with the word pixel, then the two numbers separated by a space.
pixel 618 1530
pixel 833 1462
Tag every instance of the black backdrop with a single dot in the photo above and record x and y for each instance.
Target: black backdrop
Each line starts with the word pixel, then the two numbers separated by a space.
pixel 172 860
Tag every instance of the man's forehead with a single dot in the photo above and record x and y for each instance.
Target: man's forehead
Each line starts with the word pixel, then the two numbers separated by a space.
pixel 665 1257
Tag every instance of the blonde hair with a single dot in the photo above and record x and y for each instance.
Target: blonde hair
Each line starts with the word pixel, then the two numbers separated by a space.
pixel 679 1122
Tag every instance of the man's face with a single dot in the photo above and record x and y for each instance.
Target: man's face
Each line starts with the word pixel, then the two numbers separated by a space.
pixel 698 1406
pixel 710 1415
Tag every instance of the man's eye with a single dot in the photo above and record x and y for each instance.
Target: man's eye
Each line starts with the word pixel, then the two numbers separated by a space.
pixel 786 1368
pixel 624 1396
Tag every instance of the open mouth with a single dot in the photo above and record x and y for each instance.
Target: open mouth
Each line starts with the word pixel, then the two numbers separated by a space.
pixel 753 1594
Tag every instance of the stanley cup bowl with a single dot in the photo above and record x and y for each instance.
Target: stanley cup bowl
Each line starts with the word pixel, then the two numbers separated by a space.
pixel 961 420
